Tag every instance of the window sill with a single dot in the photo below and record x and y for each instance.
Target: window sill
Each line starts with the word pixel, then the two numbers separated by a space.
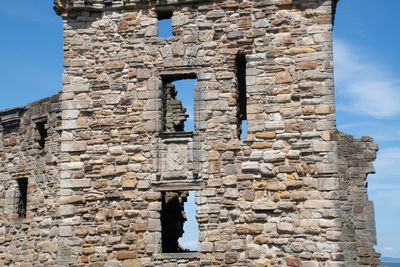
pixel 179 255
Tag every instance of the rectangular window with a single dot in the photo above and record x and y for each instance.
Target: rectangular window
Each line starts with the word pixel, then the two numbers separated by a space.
pixel 164 24
pixel 42 133
pixel 22 197
pixel 242 97
pixel 178 103
pixel 178 207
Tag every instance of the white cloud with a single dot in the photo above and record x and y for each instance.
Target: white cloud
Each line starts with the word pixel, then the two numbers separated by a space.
pixel 387 163
pixel 192 245
pixel 381 131
pixel 362 86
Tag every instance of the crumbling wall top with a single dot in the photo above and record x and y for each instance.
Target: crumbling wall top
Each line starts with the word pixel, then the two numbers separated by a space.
pixel 63 7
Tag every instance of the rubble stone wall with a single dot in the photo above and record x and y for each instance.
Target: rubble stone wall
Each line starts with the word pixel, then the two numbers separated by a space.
pixel 355 163
pixel 274 198
pixel 31 239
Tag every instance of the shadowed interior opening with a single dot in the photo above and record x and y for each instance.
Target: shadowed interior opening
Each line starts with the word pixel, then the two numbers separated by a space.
pixel 175 212
pixel 41 127
pixel 242 98
pixel 22 199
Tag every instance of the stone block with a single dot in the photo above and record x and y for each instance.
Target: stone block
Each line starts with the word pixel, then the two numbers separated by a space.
pixel 299 50
pixel 255 228
pixel 72 166
pixel 124 254
pixel 283 77
pixel 327 184
pixel 131 263
pixel 66 210
pixel 263 205
pixel 74 124
pixel 292 261
pixel 265 135
pixel 70 114
pixel 205 247
pixel 65 231
pixel 285 227
pixel 250 166
pixel 76 87
pixel 75 183
pixel 321 146
pixel 112 99
pixel 310 264
pixel 73 146
pixel 273 156
pixel 316 204
pixel 143 73
pixel 323 168
pixel 114 65
pixel 75 104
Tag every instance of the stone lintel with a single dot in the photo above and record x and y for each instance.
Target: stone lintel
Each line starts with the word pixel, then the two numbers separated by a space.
pixel 178 186
pixel 11 117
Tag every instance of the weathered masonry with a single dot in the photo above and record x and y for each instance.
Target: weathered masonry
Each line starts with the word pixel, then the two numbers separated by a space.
pixel 98 175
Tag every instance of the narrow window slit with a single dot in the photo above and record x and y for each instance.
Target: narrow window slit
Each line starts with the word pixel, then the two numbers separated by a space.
pixel 174 214
pixel 164 24
pixel 41 127
pixel 22 198
pixel 242 98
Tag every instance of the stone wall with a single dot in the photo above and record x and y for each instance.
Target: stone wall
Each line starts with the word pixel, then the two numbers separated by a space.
pixel 355 163
pixel 30 237
pixel 274 198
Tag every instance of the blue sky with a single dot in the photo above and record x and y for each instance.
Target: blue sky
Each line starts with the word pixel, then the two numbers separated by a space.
pixel 367 83
pixel 367 76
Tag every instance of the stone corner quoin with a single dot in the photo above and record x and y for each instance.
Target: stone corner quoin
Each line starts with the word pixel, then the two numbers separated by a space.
pixel 98 175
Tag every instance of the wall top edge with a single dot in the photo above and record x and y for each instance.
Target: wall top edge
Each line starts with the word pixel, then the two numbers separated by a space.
pixel 63 7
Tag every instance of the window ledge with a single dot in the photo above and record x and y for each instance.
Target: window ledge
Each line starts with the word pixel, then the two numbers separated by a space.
pixel 20 221
pixel 179 255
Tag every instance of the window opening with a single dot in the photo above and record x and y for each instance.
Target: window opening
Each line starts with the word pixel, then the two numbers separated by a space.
pixel 190 237
pixel 173 218
pixel 164 24
pixel 41 127
pixel 178 103
pixel 22 198
pixel 242 98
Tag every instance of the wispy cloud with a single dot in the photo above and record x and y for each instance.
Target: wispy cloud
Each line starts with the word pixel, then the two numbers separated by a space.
pixel 387 162
pixel 384 187
pixel 362 86
pixel 381 131
pixel 388 249
pixel 190 244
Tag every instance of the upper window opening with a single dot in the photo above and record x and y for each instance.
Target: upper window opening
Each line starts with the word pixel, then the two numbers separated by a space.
pixel 178 103
pixel 22 198
pixel 242 98
pixel 164 24
pixel 41 128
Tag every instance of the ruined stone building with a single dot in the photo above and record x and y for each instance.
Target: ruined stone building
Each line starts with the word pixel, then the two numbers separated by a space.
pixel 98 174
